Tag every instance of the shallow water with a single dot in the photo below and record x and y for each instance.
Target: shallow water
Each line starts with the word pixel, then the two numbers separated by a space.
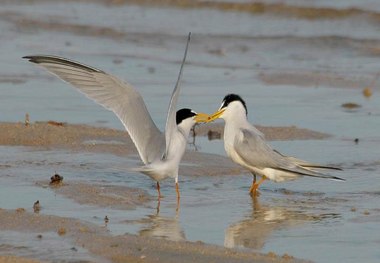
pixel 291 218
pixel 47 246
pixel 324 221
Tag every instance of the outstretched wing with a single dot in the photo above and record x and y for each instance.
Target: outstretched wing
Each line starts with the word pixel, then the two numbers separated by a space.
pixel 171 124
pixel 113 94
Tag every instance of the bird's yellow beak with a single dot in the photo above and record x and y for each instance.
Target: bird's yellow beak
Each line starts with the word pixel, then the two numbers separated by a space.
pixel 215 115
pixel 201 117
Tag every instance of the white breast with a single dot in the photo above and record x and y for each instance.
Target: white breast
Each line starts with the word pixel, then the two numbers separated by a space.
pixel 230 135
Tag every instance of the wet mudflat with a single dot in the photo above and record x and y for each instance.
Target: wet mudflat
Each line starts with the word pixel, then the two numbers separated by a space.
pixel 297 72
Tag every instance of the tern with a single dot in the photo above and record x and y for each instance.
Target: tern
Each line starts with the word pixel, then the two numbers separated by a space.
pixel 160 152
pixel 246 146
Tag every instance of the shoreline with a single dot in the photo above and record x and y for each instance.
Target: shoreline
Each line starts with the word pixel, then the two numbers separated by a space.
pixel 95 239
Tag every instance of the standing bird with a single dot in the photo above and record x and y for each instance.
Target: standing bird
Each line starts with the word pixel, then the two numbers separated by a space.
pixel 160 152
pixel 246 146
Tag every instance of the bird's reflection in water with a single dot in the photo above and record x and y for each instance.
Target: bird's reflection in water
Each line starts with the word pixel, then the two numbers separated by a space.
pixel 165 227
pixel 254 230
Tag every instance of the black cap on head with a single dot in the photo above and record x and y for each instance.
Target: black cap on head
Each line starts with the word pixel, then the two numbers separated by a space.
pixel 233 97
pixel 183 114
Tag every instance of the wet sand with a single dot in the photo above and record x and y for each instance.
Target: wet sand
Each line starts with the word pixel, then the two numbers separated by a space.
pixel 124 248
pixel 14 259
pixel 74 136
pixel 96 239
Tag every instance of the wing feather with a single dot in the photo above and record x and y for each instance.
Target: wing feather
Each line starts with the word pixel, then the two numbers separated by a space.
pixel 171 124
pixel 113 94
pixel 254 150
pixel 306 164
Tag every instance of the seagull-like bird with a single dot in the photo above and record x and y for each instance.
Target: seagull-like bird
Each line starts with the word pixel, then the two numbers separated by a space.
pixel 160 152
pixel 246 146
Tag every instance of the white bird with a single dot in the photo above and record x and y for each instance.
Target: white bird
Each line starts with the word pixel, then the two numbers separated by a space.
pixel 160 152
pixel 246 146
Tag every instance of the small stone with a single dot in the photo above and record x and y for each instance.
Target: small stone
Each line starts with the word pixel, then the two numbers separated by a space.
pixel 61 231
pixel 218 51
pixel 56 123
pixel 20 210
pixel 56 179
pixel 350 105
pixel 213 135
pixel 36 206
pixel 367 92
pixel 272 254
pixel 27 122
pixel 117 61
pixel 287 256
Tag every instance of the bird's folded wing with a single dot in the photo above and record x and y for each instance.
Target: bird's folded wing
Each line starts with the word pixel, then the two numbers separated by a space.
pixel 308 165
pixel 254 150
pixel 113 94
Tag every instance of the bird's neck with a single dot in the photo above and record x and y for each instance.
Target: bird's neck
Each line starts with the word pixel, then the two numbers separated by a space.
pixel 234 125
pixel 184 128
pixel 178 144
pixel 238 121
